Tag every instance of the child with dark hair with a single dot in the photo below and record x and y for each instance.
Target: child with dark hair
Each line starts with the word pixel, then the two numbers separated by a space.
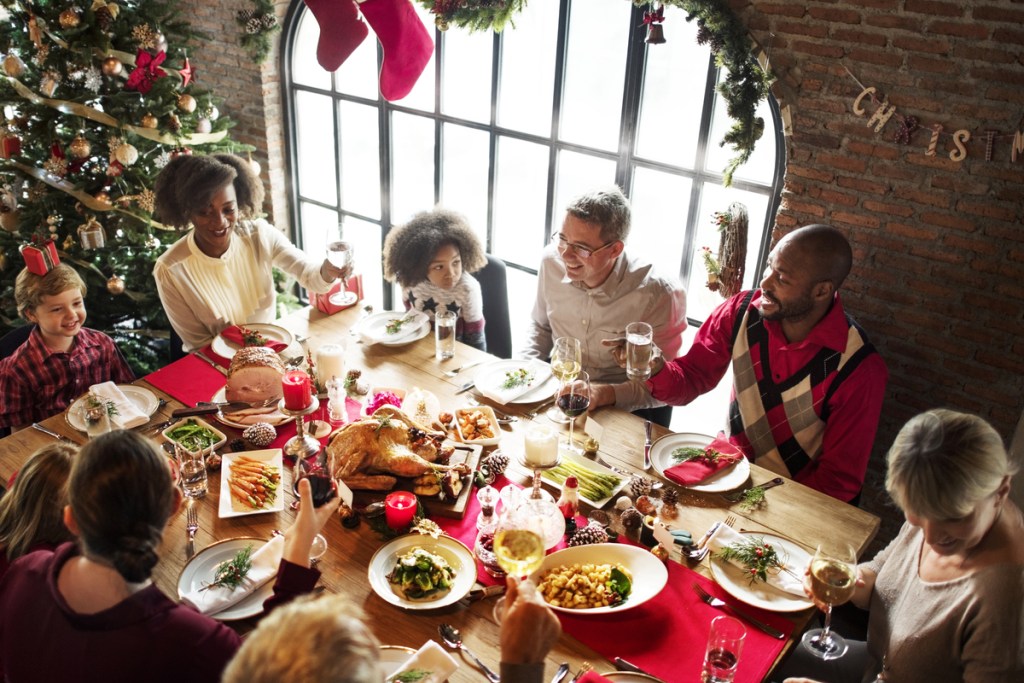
pixel 61 359
pixel 431 258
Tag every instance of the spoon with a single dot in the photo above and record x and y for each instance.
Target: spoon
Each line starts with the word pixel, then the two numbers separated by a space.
pixel 453 639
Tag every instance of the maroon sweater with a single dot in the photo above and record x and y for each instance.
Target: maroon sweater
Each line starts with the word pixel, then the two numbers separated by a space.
pixel 147 637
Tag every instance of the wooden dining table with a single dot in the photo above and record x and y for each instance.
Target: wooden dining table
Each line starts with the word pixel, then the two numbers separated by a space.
pixel 792 511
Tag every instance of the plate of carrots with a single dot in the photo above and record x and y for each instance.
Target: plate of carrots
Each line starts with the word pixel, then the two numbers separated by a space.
pixel 250 483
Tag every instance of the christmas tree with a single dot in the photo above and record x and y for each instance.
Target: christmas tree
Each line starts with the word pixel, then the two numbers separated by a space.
pixel 98 96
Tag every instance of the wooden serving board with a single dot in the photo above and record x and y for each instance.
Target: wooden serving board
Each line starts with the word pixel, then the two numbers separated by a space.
pixel 456 508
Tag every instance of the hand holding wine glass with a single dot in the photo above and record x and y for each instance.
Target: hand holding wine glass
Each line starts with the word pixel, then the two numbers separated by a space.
pixel 573 400
pixel 518 544
pixel 341 256
pixel 832 581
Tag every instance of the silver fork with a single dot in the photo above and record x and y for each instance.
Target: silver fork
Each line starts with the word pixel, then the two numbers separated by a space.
pixel 539 409
pixel 191 526
pixel 702 549
pixel 726 607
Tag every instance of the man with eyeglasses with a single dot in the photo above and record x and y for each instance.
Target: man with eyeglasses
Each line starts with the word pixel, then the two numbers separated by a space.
pixel 590 289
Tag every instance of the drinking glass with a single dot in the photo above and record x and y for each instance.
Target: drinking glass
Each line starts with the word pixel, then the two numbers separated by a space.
pixel 341 255
pixel 639 348
pixel 725 644
pixel 192 470
pixel 833 579
pixel 566 363
pixel 317 550
pixel 573 400
pixel 518 544
pixel 444 334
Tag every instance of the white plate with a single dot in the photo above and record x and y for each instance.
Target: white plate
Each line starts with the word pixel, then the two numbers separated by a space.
pixel 490 376
pixel 373 329
pixel 393 656
pixel 226 349
pixel 223 419
pixel 222 437
pixel 649 573
pixel 723 480
pixel 144 399
pixel 456 554
pixel 227 506
pixel 736 582
pixel 590 465
pixel 200 569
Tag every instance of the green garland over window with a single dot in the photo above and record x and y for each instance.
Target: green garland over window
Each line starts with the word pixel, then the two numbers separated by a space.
pixel 258 24
pixel 718 27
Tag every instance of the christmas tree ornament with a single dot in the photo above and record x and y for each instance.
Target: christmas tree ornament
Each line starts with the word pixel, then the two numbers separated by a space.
pixel 115 285
pixel 112 66
pixel 203 126
pixel 152 242
pixel 79 148
pixel 174 123
pixel 187 103
pixel 3 261
pixel 9 218
pixel 69 18
pixel 56 166
pixel 146 72
pixel 213 114
pixel 49 82
pixel 13 66
pixel 186 73
pixel 149 121
pixel 103 197
pixel 126 154
pixel 10 143
pixel 159 42
pixel 91 235
pixel 653 19
pixel 105 13
pixel 69 242
pixel 144 37
pixel 255 165
pixel 40 255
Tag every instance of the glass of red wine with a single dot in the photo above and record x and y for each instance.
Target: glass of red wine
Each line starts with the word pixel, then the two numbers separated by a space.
pixel 573 401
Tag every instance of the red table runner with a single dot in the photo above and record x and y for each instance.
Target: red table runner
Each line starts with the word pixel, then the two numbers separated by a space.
pixel 665 636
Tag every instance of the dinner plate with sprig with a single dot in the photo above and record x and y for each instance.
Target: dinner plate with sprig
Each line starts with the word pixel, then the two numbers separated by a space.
pixel 721 481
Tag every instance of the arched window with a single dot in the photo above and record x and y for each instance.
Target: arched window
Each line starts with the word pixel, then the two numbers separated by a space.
pixel 506 127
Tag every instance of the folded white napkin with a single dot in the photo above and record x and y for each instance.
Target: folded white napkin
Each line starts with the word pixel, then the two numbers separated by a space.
pixel 431 657
pixel 491 384
pixel 785 581
pixel 375 332
pixel 128 414
pixel 265 562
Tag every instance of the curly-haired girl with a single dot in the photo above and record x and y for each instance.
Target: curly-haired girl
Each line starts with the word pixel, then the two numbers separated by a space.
pixel 431 258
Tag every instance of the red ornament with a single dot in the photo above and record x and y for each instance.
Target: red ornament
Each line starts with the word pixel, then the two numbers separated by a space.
pixel 11 146
pixel 40 257
pixel 186 73
pixel 147 70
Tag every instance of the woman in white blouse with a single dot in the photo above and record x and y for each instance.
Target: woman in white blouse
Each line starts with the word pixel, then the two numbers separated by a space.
pixel 221 272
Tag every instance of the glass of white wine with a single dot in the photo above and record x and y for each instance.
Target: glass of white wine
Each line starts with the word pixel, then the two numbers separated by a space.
pixel 518 544
pixel 566 363
pixel 341 255
pixel 833 579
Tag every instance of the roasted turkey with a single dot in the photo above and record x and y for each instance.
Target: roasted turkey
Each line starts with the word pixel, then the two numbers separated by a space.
pixel 373 452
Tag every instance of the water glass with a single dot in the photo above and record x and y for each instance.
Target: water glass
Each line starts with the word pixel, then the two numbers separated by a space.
pixel 444 334
pixel 192 471
pixel 725 644
pixel 317 549
pixel 639 348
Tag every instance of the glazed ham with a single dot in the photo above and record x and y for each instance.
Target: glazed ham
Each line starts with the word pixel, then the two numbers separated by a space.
pixel 254 375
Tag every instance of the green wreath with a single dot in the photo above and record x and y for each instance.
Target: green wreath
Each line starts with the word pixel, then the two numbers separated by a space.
pixel 718 27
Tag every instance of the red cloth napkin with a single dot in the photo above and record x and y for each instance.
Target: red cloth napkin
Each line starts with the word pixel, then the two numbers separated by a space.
pixel 696 471
pixel 234 334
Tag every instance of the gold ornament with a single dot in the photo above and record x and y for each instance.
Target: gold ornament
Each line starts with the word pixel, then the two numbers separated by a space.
pixel 660 552
pixel 144 36
pixel 112 66
pixel 49 82
pixel 203 126
pixel 69 18
pixel 115 285
pixel 80 147
pixel 13 66
pixel 187 104
pixel 9 219
pixel 69 242
pixel 126 154
pixel 103 197
pixel 213 114
pixel 173 122
pixel 149 121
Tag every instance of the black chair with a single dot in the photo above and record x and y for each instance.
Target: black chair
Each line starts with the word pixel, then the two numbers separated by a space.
pixel 494 288
pixel 8 344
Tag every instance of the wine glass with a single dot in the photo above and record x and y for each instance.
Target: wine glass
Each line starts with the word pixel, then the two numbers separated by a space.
pixel 518 544
pixel 833 579
pixel 341 254
pixel 566 363
pixel 573 400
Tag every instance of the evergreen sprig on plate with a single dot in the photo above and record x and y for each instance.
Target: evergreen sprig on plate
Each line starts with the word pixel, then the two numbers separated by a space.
pixel 754 553
pixel 230 574
pixel 517 378
pixel 689 453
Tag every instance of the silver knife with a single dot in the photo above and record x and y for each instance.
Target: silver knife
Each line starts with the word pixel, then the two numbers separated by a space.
pixel 647 445
pixel 210 362
pixel 563 671
pixel 622 665
pixel 467 386
pixel 59 437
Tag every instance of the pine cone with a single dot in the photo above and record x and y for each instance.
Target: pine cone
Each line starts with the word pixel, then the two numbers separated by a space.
pixel 640 486
pixel 260 434
pixel 592 533
pixel 670 496
pixel 631 518
pixel 245 15
pixel 103 18
pixel 496 463
pixel 253 25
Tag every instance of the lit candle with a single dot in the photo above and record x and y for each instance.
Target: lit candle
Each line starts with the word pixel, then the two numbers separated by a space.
pixel 541 444
pixel 330 362
pixel 296 389
pixel 399 509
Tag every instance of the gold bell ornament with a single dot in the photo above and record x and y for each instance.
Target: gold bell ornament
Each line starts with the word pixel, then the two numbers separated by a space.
pixel 653 18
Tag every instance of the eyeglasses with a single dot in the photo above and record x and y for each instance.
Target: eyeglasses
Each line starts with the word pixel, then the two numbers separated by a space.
pixel 583 252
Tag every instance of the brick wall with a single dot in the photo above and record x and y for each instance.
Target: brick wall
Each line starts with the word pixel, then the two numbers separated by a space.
pixel 939 244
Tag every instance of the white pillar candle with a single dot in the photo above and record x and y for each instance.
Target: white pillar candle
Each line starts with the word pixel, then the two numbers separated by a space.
pixel 330 362
pixel 541 442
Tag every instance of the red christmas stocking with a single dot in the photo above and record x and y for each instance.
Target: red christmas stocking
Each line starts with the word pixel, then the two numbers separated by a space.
pixel 407 44
pixel 341 30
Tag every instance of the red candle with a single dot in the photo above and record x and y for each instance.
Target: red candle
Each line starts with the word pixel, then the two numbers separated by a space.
pixel 399 509
pixel 297 390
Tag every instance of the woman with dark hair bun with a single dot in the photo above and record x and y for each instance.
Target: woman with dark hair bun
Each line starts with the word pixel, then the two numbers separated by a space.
pixel 91 612
pixel 221 272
